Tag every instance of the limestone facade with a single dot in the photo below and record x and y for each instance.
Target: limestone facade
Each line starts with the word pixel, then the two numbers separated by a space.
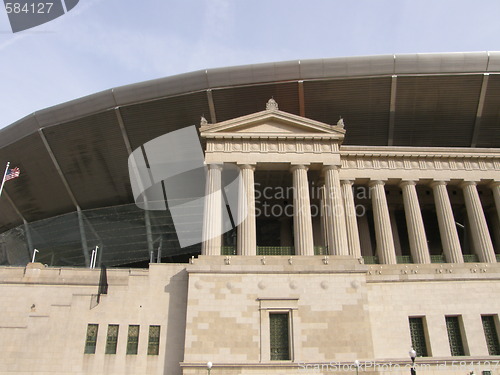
pixel 348 282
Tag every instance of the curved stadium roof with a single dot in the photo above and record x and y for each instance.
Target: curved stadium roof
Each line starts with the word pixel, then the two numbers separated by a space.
pixel 75 154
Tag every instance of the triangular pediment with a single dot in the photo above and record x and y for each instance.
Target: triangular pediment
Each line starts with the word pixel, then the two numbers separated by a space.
pixel 271 122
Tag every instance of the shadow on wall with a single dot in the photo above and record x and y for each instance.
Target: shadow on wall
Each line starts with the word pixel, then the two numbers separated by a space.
pixel 176 322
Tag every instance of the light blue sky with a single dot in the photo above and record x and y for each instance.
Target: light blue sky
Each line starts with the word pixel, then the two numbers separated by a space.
pixel 107 43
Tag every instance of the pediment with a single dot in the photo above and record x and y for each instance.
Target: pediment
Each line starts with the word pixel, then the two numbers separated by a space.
pixel 271 122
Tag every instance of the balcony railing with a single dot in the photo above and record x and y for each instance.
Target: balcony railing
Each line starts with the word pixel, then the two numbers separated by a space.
pixel 275 250
pixel 320 250
pixel 228 250
pixel 369 259
pixel 438 259
pixel 471 258
pixel 404 259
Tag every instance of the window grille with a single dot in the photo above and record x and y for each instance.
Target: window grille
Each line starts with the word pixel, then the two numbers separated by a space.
pixel 279 335
pixel 91 340
pixel 154 340
pixel 133 339
pixel 455 336
pixel 112 339
pixel 417 333
pixel 491 334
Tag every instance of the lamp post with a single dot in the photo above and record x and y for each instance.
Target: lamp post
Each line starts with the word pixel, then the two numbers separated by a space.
pixel 413 354
pixel 356 364
pixel 209 367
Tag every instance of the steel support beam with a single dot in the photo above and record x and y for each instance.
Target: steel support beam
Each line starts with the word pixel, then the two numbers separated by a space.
pixel 392 111
pixel 83 236
pixel 479 112
pixel 302 104
pixel 211 105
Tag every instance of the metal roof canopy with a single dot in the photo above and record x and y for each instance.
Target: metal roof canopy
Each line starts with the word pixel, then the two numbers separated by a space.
pixel 79 159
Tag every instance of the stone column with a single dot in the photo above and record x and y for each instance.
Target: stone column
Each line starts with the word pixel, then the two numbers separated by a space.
pixel 302 220
pixel 383 232
pixel 324 219
pixel 414 222
pixel 395 233
pixel 495 187
pixel 351 219
pixel 212 216
pixel 447 227
pixel 247 241
pixel 337 232
pixel 477 221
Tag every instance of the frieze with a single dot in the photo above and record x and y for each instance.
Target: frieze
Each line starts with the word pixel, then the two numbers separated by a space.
pixel 420 163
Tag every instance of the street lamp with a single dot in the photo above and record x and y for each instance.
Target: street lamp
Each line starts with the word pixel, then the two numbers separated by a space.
pixel 356 363
pixel 412 354
pixel 209 367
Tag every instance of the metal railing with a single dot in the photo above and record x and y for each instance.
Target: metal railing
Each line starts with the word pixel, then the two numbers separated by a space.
pixel 471 258
pixel 228 250
pixel 320 250
pixel 438 259
pixel 275 250
pixel 404 259
pixel 370 259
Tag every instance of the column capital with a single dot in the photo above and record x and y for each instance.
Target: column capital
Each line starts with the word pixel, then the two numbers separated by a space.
pixel 407 183
pixel 298 166
pixel 376 182
pixel 468 183
pixel 347 182
pixel 215 166
pixel 494 184
pixel 247 166
pixel 438 183
pixel 330 166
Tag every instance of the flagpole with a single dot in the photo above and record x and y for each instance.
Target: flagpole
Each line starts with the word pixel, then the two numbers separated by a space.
pixel 3 179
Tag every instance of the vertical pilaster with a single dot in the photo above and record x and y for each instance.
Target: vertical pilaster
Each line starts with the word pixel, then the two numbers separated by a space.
pixel 212 216
pixel 477 221
pixel 302 221
pixel 247 242
pixel 447 227
pixel 414 222
pixel 383 232
pixel 337 236
pixel 351 219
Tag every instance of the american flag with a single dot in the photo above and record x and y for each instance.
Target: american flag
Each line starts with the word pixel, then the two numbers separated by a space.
pixel 12 173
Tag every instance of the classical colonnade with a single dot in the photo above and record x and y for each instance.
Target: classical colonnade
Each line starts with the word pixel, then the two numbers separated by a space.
pixel 340 221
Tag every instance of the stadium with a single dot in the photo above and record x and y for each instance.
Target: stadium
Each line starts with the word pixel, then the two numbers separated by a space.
pixel 404 148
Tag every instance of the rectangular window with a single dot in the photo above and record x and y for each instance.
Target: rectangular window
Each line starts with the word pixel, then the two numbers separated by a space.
pixel 91 341
pixel 133 339
pixel 417 332
pixel 279 335
pixel 154 340
pixel 112 339
pixel 491 334
pixel 455 336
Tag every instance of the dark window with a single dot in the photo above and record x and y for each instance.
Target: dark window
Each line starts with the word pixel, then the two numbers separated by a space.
pixel 455 336
pixel 91 340
pixel 133 339
pixel 112 339
pixel 154 340
pixel 280 343
pixel 491 334
pixel 417 332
